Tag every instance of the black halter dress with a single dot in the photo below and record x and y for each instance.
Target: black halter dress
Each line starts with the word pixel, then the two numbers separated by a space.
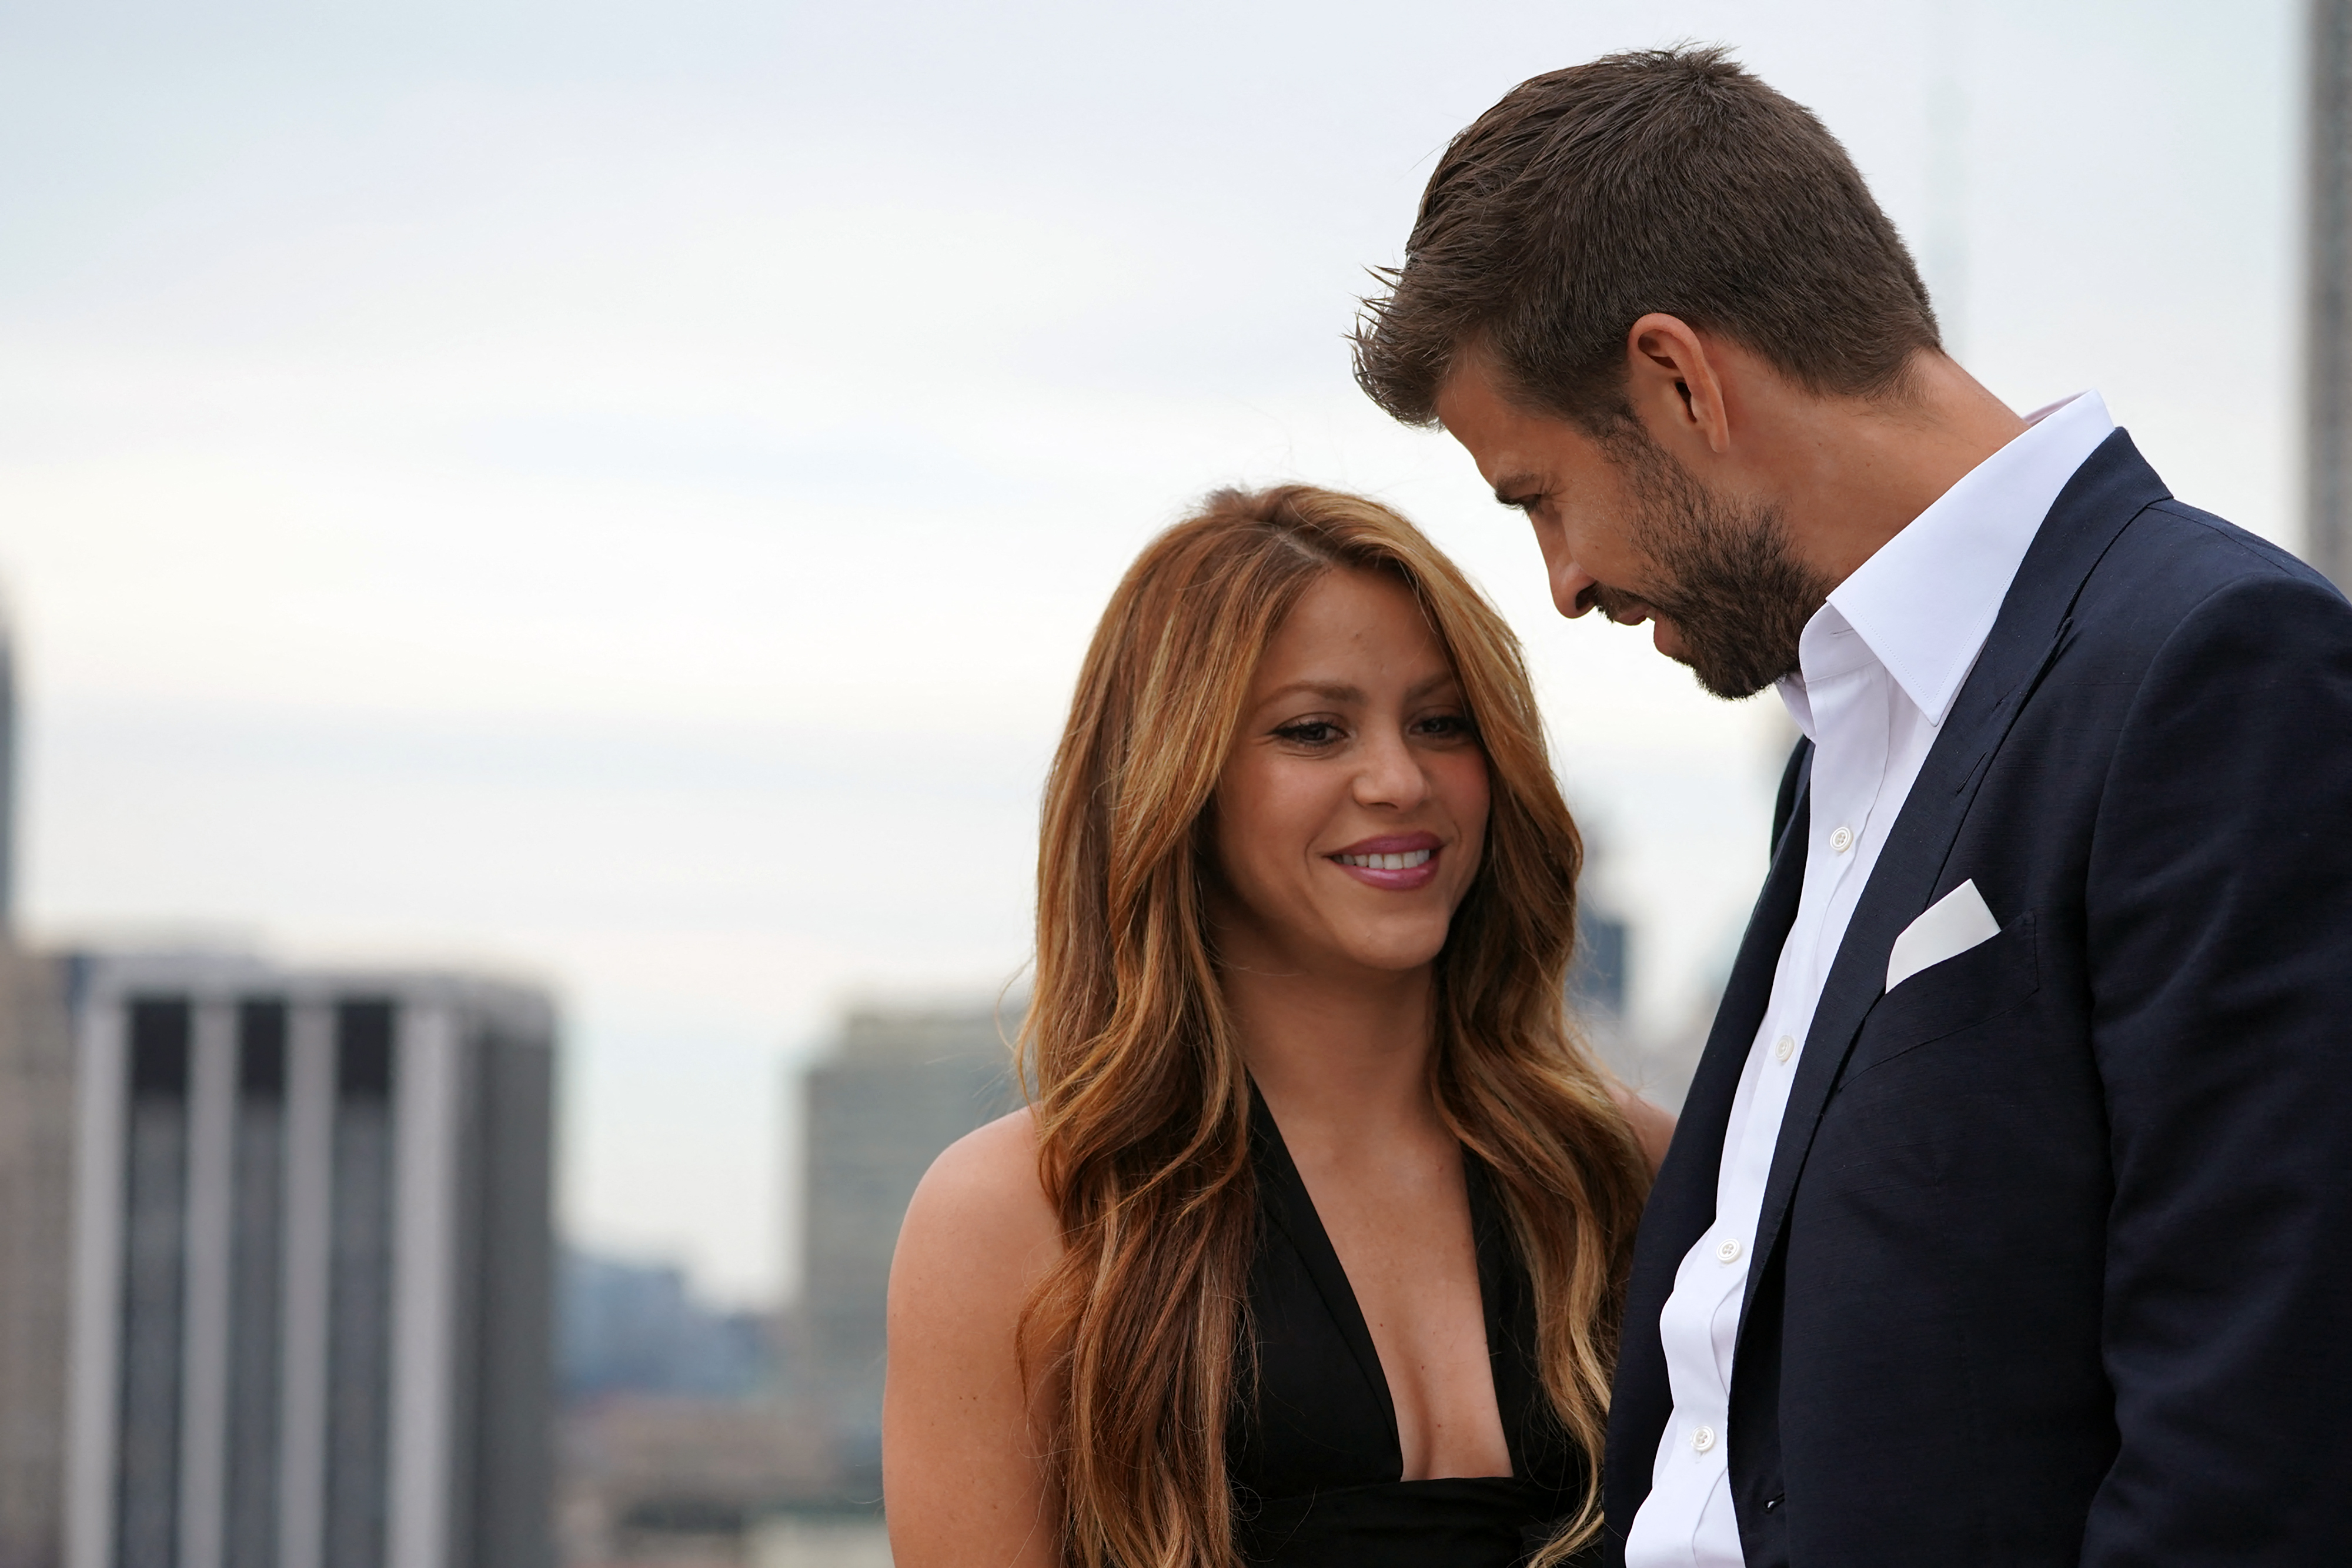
pixel 1315 1460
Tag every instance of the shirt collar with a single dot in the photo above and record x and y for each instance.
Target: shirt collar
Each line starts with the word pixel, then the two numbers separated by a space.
pixel 1925 603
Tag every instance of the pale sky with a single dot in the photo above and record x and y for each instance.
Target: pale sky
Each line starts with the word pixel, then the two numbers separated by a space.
pixel 618 492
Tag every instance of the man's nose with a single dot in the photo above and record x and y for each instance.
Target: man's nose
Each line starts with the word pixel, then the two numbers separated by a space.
pixel 1571 587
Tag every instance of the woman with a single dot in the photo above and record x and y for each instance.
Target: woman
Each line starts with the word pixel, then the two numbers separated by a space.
pixel 1310 1245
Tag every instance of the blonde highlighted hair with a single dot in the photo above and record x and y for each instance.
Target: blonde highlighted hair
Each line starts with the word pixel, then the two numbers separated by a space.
pixel 1141 1098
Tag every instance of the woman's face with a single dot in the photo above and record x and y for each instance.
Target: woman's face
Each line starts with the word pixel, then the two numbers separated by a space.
pixel 1351 814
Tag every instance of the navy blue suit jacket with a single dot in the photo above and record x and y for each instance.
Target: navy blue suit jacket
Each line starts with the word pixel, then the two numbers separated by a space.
pixel 2055 1260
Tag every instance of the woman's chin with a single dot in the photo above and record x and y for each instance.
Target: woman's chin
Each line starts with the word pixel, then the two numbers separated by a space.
pixel 1392 951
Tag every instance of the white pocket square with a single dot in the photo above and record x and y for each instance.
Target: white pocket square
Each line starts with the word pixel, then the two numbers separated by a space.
pixel 1950 926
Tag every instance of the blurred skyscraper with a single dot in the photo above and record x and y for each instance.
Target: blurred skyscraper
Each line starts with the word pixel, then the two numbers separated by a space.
pixel 635 1328
pixel 2327 283
pixel 307 1320
pixel 1599 976
pixel 901 1086
pixel 1944 253
pixel 8 776
pixel 36 1155
pixel 1598 979
pixel 36 1160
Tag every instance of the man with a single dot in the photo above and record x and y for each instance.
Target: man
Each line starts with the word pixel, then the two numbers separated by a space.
pixel 2009 1219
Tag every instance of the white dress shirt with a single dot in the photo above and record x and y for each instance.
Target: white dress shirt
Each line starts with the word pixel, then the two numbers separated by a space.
pixel 1879 666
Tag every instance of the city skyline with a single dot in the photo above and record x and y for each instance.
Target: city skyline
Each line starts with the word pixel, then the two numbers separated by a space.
pixel 627 510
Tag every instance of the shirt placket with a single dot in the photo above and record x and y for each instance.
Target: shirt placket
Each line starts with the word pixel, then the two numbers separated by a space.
pixel 1850 715
pixel 1848 765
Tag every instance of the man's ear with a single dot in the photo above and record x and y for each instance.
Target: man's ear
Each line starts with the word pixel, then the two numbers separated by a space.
pixel 1674 385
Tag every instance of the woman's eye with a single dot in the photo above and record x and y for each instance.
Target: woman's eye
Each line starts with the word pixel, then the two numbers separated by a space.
pixel 1447 726
pixel 1311 732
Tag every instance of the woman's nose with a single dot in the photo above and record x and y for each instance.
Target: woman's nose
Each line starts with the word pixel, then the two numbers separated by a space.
pixel 1391 775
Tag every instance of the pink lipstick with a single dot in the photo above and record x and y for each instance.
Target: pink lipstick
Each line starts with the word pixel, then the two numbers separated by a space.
pixel 1397 863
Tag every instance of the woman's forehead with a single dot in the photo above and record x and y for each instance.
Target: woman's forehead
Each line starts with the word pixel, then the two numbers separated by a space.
pixel 1358 617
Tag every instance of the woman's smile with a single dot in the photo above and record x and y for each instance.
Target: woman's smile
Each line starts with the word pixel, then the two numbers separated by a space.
pixel 1398 862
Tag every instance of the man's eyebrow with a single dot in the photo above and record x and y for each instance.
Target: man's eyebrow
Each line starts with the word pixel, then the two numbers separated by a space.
pixel 1512 489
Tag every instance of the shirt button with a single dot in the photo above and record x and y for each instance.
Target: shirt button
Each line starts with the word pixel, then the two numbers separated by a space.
pixel 1729 1251
pixel 1784 1047
pixel 1842 840
pixel 1703 1440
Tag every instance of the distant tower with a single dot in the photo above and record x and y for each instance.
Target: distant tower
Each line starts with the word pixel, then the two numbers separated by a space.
pixel 36 1167
pixel 1945 255
pixel 310 1317
pixel 2327 283
pixel 905 1084
pixel 1600 989
pixel 7 777
pixel 37 1148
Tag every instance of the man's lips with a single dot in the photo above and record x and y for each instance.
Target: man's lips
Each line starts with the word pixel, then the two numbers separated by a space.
pixel 1397 863
pixel 1625 609
pixel 1622 609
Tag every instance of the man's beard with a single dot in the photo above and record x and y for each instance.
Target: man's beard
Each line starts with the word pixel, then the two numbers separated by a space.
pixel 1725 572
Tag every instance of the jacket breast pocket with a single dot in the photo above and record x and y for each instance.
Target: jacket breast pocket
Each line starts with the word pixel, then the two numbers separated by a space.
pixel 1995 977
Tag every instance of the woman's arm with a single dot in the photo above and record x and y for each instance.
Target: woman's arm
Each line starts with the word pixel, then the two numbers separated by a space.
pixel 1654 1129
pixel 961 1480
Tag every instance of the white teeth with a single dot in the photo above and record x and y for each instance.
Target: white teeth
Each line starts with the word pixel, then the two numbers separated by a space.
pixel 1405 861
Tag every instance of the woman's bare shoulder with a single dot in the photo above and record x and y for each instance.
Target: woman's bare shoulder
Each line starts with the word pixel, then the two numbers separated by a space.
pixel 960 1462
pixel 1653 1128
pixel 982 1204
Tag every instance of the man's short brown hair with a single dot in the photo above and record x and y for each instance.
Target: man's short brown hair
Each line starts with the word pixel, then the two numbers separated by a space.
pixel 1668 180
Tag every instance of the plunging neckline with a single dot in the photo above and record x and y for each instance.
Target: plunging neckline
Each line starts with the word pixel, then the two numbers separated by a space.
pixel 1294 1209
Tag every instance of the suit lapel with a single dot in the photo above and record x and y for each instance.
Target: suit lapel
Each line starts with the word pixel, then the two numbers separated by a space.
pixel 1682 1201
pixel 2113 486
pixel 1693 1161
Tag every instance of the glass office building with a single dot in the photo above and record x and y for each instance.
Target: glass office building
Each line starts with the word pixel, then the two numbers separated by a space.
pixel 310 1310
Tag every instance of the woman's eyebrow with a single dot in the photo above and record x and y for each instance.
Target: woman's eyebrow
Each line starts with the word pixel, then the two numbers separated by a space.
pixel 1340 692
pixel 1437 682
pixel 1332 691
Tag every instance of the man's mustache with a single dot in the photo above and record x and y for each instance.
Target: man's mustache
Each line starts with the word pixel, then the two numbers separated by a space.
pixel 1621 607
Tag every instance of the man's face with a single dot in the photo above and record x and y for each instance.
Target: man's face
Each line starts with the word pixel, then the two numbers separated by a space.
pixel 1630 531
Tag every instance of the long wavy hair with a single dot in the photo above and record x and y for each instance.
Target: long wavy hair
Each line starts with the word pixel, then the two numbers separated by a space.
pixel 1139 1090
